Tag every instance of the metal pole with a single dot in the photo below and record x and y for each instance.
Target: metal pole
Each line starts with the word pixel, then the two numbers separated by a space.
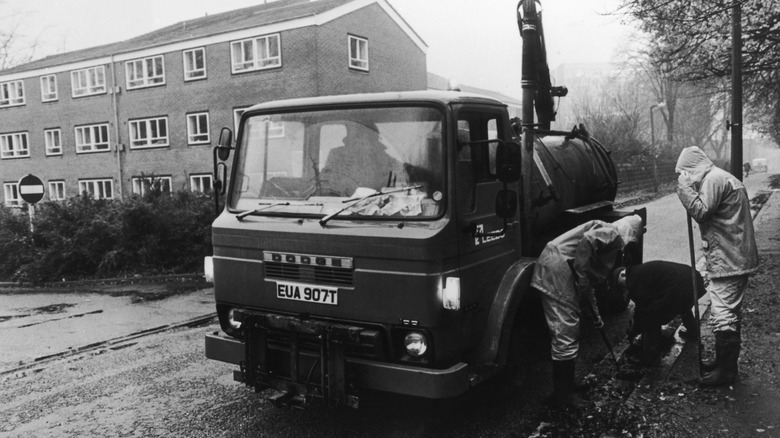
pixel 736 91
pixel 527 20
pixel 31 214
pixel 697 334
pixel 652 146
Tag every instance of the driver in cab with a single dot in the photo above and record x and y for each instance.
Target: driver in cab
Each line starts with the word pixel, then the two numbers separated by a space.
pixel 362 161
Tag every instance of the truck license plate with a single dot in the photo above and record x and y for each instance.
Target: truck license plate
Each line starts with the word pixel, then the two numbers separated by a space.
pixel 307 292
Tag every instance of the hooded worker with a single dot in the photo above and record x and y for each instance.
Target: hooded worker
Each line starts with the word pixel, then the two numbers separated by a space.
pixel 565 273
pixel 719 203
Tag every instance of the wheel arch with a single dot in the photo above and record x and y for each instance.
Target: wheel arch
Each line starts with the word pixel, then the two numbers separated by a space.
pixel 514 287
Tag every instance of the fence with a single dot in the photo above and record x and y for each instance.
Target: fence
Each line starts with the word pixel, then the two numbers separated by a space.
pixel 641 176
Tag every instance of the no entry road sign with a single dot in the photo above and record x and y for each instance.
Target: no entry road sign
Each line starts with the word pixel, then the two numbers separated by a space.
pixel 31 188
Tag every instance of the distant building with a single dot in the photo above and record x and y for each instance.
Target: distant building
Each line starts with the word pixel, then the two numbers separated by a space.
pixel 436 82
pixel 104 120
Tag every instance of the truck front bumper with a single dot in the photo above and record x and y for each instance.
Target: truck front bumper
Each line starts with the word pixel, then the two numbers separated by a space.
pixel 379 376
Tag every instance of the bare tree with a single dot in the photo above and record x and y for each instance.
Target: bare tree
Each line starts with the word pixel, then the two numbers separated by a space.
pixel 15 46
pixel 693 37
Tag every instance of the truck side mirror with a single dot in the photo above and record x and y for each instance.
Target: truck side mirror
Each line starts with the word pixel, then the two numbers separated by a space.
pixel 508 162
pixel 506 204
pixel 224 145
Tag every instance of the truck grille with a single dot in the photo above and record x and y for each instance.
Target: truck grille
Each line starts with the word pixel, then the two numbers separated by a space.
pixel 308 268
pixel 308 274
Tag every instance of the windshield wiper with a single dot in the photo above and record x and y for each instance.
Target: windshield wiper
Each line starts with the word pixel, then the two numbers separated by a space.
pixel 265 206
pixel 325 220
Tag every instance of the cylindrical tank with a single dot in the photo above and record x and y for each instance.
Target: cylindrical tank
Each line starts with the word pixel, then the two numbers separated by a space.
pixel 569 172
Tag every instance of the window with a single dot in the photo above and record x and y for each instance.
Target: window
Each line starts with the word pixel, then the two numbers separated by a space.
pixel 194 64
pixel 97 188
pixel 198 128
pixel 53 141
pixel 145 72
pixel 92 138
pixel 11 93
pixel 358 53
pixel 48 88
pixel 149 133
pixel 256 53
pixel 142 184
pixel 56 190
pixel 88 81
pixel 201 183
pixel 14 145
pixel 12 198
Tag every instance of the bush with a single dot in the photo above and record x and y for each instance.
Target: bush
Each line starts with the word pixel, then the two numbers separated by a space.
pixel 159 233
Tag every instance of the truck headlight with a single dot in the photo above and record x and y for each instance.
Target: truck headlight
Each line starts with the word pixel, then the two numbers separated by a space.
pixel 416 344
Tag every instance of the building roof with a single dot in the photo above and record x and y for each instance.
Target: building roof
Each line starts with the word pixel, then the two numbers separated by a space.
pixel 265 14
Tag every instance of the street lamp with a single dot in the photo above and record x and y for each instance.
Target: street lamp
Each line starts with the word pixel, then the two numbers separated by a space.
pixel 652 144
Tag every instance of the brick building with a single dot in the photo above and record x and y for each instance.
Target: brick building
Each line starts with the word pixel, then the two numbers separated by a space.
pixel 104 120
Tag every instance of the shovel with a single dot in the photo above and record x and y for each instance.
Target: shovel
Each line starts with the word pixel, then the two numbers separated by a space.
pixel 695 292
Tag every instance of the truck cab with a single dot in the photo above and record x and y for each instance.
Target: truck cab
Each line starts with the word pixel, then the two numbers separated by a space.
pixel 374 242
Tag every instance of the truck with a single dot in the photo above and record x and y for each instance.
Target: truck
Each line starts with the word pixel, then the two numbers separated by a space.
pixel 386 241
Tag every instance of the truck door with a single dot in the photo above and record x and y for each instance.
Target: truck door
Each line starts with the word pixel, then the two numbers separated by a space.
pixel 482 259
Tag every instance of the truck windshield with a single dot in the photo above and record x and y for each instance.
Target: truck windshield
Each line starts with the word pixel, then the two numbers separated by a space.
pixel 315 163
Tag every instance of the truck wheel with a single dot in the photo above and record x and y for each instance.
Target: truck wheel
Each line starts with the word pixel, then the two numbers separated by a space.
pixel 518 363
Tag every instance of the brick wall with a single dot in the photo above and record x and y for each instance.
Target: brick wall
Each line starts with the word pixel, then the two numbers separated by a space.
pixel 314 62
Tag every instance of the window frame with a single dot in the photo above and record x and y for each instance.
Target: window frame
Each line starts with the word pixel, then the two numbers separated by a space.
pixel 189 73
pixel 94 182
pixel 49 91
pixel 191 135
pixel 137 182
pixel 257 63
pixel 7 99
pixel 47 135
pixel 148 142
pixel 359 60
pixel 16 199
pixel 93 147
pixel 9 148
pixel 201 178
pixel 90 89
pixel 58 183
pixel 145 80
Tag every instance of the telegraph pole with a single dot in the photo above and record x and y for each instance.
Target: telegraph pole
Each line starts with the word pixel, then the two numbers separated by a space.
pixel 736 90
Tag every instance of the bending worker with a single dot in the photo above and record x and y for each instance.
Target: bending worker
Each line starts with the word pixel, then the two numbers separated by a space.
pixel 565 273
pixel 660 291
pixel 719 203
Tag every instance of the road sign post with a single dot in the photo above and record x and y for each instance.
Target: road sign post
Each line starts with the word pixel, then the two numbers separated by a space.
pixel 31 191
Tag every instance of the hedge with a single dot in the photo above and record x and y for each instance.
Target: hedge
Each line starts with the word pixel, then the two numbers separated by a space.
pixel 160 233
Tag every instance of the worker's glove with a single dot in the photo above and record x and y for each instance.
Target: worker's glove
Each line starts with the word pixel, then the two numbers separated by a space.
pixel 684 180
pixel 598 322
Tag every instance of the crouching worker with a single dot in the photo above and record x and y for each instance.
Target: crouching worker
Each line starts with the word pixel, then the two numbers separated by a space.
pixel 660 291
pixel 565 273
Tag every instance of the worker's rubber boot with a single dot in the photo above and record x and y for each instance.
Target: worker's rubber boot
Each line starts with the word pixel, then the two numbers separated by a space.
pixel 727 346
pixel 563 383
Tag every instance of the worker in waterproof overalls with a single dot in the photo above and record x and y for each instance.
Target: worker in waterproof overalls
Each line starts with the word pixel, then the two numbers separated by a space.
pixel 565 273
pixel 719 202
